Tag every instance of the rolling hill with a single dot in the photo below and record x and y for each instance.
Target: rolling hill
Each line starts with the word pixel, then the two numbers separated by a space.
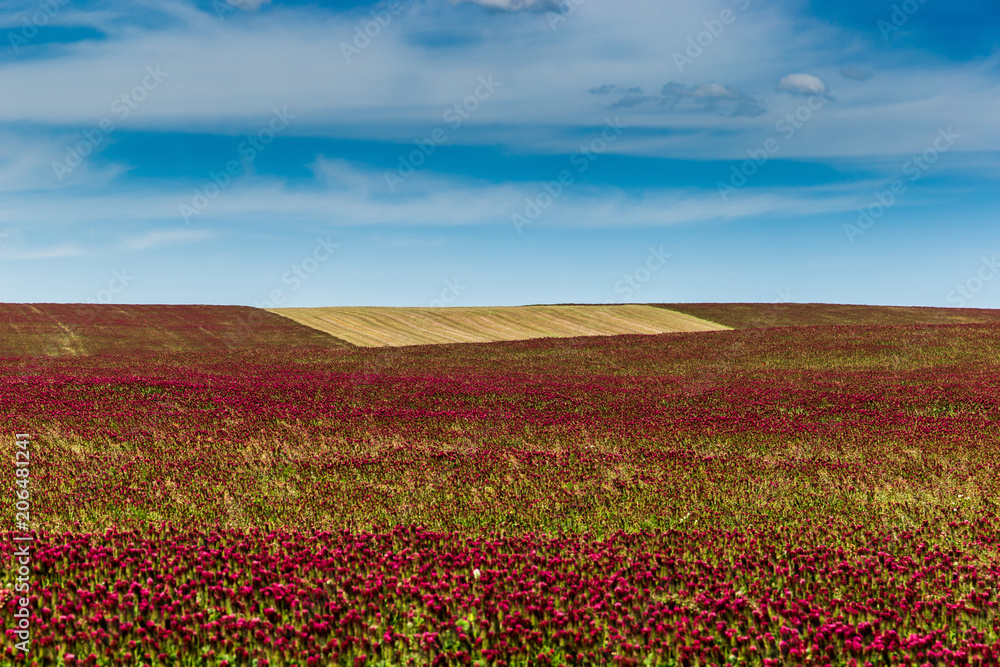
pixel 48 330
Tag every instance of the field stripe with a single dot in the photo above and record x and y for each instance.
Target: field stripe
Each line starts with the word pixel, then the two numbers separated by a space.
pixel 381 327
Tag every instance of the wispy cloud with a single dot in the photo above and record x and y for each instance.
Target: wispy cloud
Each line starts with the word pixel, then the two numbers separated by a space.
pixel 710 98
pixel 856 73
pixel 166 237
pixel 517 5
pixel 15 253
pixel 431 200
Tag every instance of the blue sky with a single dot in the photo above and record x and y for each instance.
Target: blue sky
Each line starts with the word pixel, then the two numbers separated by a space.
pixel 479 152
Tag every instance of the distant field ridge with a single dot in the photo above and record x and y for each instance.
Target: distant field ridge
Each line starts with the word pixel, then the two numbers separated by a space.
pixel 75 330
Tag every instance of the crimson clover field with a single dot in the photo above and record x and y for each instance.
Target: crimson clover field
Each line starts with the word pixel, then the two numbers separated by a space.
pixel 785 496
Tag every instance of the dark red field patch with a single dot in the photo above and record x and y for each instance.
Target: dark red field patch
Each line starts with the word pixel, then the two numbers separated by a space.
pixel 74 329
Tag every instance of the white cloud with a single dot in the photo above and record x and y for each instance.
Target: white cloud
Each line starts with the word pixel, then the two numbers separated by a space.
pixel 803 84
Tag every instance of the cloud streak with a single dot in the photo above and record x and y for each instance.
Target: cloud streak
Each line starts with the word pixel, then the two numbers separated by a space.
pixel 248 5
pixel 518 5
pixel 166 237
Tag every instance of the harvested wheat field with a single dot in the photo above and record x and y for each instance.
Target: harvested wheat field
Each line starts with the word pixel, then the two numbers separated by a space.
pixel 393 327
